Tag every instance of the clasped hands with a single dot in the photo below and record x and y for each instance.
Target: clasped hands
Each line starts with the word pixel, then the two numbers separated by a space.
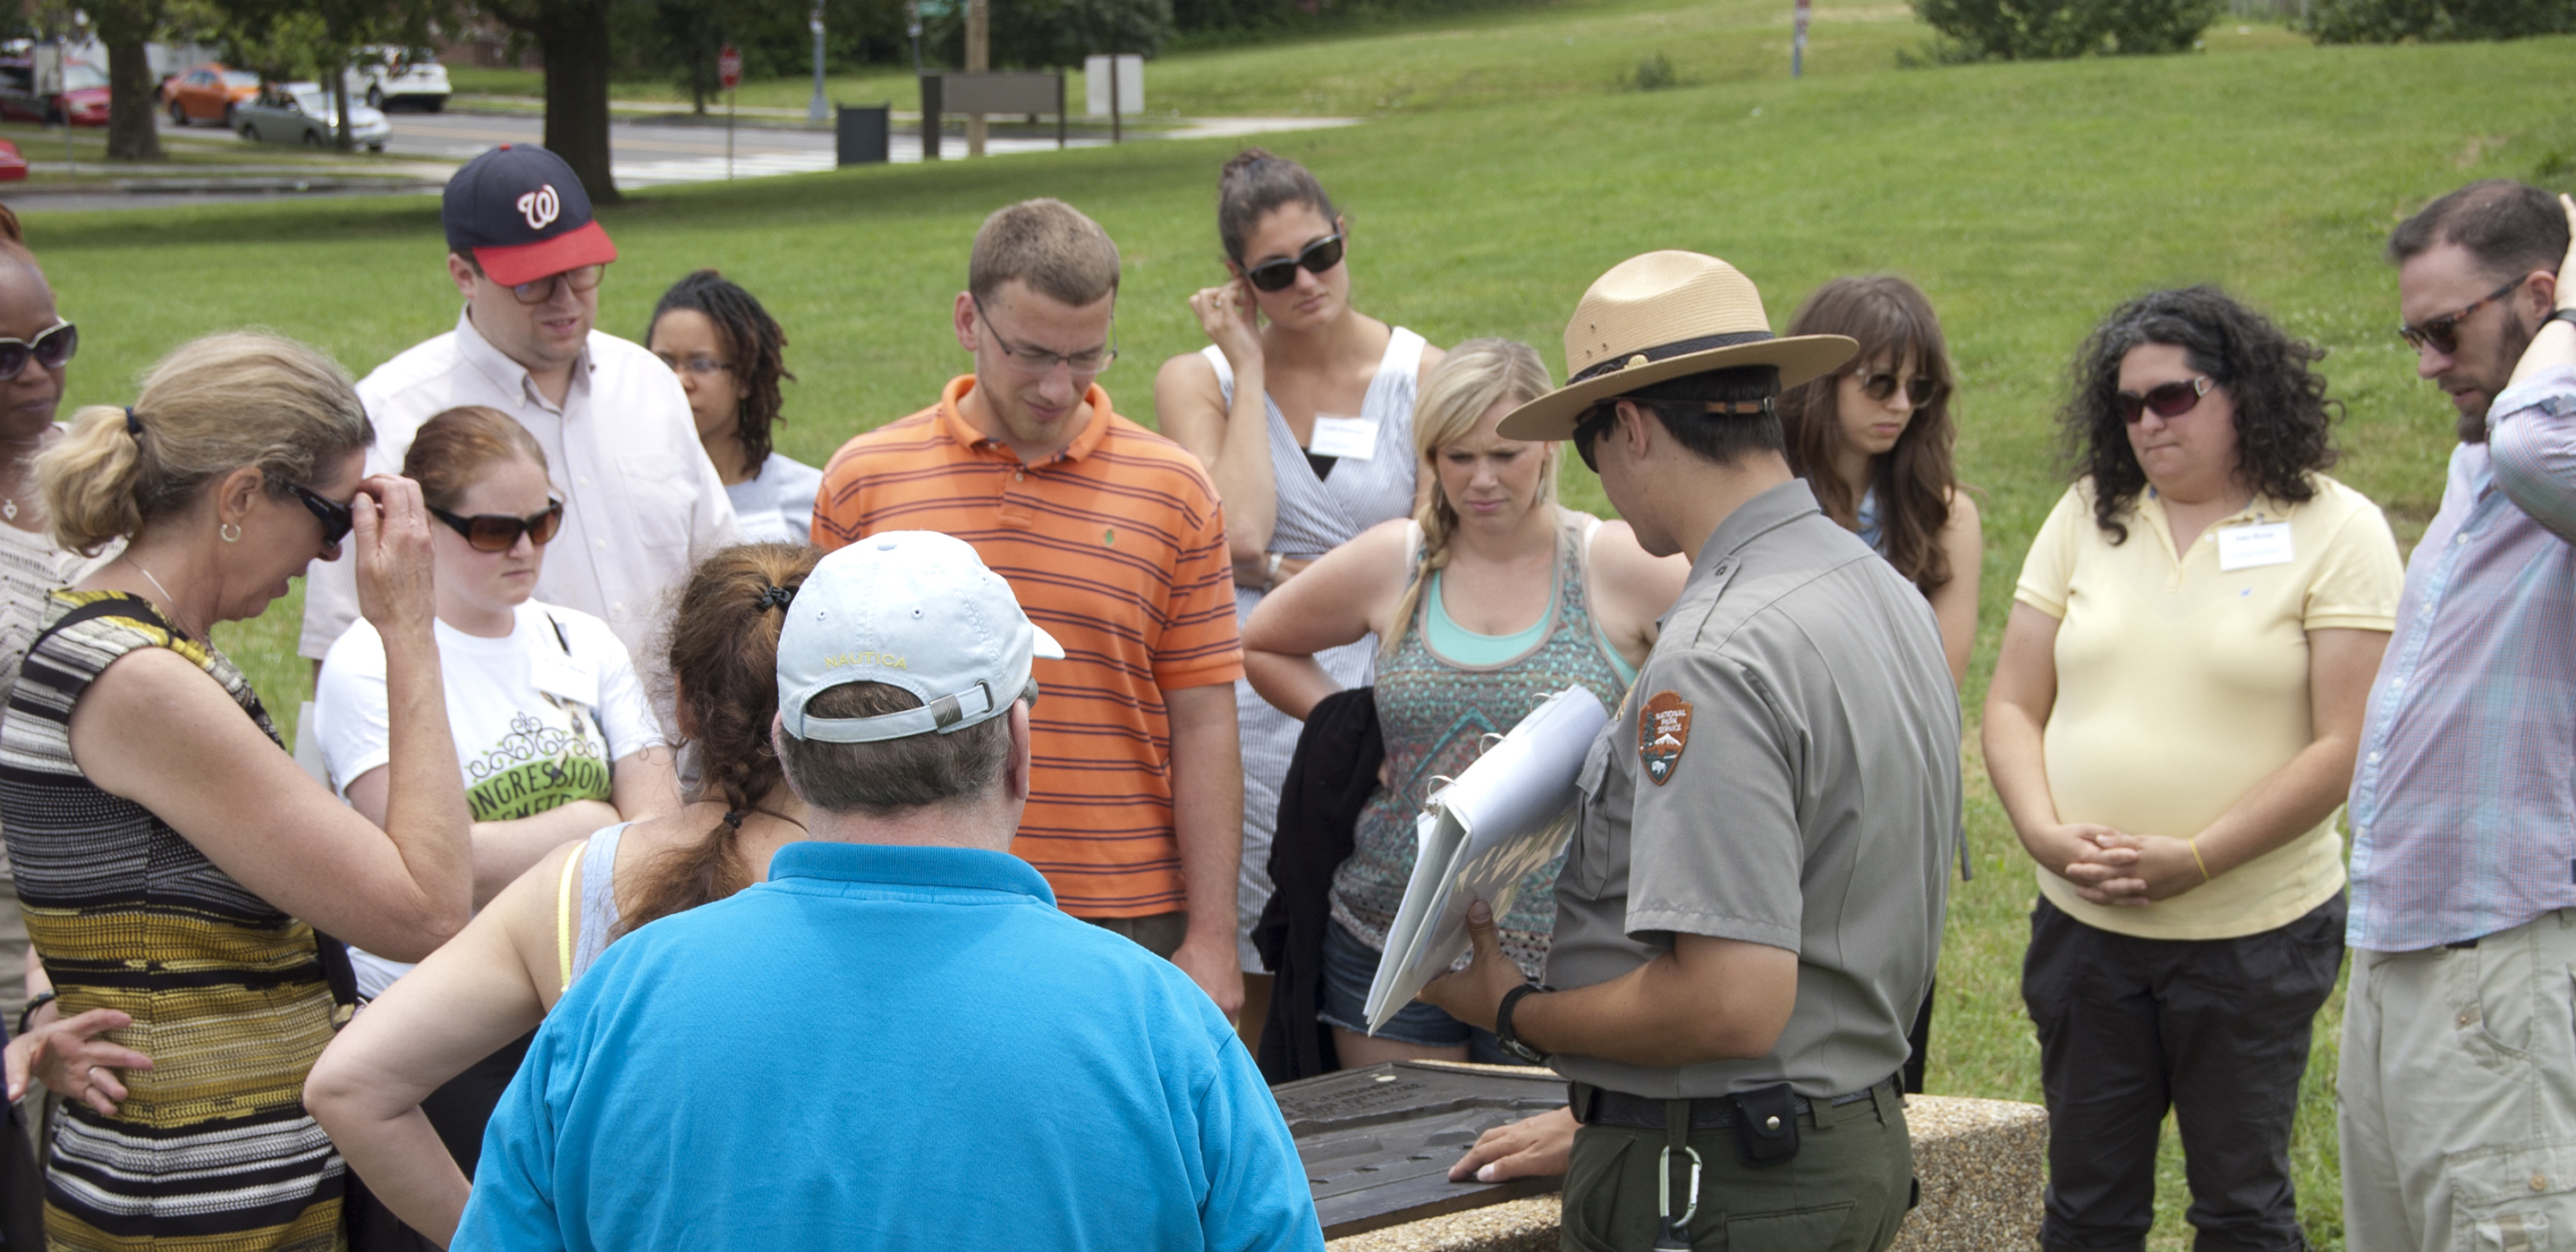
pixel 2113 867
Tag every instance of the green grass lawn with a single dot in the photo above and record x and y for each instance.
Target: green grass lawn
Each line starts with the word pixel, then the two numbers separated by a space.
pixel 1506 172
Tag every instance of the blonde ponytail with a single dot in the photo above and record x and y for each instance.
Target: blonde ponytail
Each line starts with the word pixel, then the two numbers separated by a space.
pixel 217 404
pixel 1474 377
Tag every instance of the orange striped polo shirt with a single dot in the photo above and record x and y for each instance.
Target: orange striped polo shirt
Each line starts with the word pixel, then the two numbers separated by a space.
pixel 1117 547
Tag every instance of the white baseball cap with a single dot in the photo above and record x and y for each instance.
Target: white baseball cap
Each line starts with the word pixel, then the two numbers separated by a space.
pixel 912 609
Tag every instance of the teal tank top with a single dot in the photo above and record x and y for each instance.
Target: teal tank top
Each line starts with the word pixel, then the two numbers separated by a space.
pixel 1439 692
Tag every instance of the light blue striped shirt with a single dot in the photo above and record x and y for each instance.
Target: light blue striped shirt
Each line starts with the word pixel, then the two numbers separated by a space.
pixel 2464 798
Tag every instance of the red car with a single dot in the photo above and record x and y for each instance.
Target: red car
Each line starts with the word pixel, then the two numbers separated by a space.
pixel 13 167
pixel 82 102
pixel 207 94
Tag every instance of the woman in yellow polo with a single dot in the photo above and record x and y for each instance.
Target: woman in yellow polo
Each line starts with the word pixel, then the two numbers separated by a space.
pixel 2171 728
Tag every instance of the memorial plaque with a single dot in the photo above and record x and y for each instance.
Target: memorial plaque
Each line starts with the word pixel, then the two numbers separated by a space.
pixel 1378 1142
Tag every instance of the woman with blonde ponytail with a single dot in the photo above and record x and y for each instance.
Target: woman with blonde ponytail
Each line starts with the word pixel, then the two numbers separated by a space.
pixel 175 865
pixel 498 980
pixel 1491 599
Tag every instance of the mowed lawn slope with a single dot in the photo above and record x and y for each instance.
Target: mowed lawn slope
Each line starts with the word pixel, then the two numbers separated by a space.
pixel 2027 199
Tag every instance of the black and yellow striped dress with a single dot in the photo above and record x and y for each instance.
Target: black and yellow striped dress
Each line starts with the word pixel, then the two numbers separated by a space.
pixel 213 1149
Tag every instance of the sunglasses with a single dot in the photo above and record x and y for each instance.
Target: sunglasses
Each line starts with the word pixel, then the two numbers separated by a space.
pixel 2443 332
pixel 53 349
pixel 583 279
pixel 1589 429
pixel 499 532
pixel 334 516
pixel 1920 390
pixel 2169 400
pixel 1315 258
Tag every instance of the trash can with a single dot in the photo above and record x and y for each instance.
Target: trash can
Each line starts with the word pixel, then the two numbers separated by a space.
pixel 863 134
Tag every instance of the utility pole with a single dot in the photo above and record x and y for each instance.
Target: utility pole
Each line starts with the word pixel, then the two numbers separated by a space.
pixel 1798 43
pixel 816 110
pixel 979 33
pixel 912 27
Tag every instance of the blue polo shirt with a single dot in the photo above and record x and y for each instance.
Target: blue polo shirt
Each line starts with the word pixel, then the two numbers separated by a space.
pixel 886 1047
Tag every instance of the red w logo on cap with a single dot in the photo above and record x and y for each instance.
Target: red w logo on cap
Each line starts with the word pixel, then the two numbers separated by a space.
pixel 540 207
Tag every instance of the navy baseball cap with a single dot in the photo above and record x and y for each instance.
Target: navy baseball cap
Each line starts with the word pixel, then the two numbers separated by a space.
pixel 521 213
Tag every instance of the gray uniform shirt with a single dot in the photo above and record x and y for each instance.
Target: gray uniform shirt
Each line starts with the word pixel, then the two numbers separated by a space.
pixel 1784 771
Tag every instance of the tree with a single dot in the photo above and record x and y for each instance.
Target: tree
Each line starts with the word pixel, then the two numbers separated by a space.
pixel 292 38
pixel 1052 33
pixel 573 37
pixel 125 26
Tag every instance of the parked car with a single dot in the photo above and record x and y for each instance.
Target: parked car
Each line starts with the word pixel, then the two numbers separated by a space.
pixel 207 94
pixel 82 101
pixel 13 167
pixel 387 76
pixel 301 113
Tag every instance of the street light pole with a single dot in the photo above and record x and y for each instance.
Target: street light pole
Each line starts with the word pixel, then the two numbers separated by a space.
pixel 816 111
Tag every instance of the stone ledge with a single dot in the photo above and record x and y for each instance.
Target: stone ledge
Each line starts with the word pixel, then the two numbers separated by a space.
pixel 1983 1164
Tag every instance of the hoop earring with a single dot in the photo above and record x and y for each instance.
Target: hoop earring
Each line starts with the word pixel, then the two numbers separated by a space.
pixel 230 532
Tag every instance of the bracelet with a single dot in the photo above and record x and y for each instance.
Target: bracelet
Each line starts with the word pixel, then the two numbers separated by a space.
pixel 2193 843
pixel 42 999
pixel 1270 572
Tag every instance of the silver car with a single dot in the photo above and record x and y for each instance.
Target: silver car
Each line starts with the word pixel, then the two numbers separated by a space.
pixel 301 113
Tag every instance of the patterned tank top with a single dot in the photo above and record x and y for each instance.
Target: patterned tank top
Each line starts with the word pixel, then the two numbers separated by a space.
pixel 213 1148
pixel 1433 711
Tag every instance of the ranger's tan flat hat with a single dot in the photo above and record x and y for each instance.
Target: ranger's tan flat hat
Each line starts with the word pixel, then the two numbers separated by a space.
pixel 1661 316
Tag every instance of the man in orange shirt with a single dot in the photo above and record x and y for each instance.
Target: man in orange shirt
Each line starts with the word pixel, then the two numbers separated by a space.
pixel 1112 539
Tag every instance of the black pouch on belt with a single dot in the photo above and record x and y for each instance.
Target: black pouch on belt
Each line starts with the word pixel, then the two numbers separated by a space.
pixel 1766 1124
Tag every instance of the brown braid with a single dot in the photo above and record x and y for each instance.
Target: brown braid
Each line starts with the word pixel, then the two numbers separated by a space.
pixel 724 666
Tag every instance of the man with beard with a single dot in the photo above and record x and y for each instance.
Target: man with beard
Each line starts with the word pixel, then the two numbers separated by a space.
pixel 2458 1080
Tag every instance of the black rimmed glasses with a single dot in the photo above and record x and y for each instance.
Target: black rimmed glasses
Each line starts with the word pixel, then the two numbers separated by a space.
pixel 1920 390
pixel 53 348
pixel 1314 258
pixel 2168 400
pixel 499 532
pixel 2443 332
pixel 1038 362
pixel 579 278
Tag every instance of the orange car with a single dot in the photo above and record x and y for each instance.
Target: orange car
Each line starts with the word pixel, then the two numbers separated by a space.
pixel 207 94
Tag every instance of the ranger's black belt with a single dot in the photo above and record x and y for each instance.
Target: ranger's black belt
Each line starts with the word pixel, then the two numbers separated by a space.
pixel 1599 1106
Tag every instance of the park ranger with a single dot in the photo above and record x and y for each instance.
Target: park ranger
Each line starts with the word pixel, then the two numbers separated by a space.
pixel 1751 906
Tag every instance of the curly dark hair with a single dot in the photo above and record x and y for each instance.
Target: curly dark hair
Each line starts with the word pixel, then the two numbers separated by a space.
pixel 754 343
pixel 2283 419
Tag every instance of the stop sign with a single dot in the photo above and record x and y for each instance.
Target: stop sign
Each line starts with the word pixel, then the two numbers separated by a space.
pixel 729 67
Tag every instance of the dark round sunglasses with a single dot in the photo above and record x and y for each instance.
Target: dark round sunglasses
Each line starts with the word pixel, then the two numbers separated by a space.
pixel 499 532
pixel 2170 400
pixel 1920 390
pixel 52 348
pixel 1315 258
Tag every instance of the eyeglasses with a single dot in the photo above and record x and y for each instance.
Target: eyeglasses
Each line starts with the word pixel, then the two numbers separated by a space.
pixel 1589 429
pixel 702 366
pixel 584 278
pixel 1920 390
pixel 2168 400
pixel 1314 258
pixel 1037 362
pixel 334 516
pixel 499 532
pixel 51 348
pixel 2444 332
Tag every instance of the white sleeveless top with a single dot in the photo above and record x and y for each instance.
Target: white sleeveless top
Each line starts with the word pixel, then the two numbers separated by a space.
pixel 1315 516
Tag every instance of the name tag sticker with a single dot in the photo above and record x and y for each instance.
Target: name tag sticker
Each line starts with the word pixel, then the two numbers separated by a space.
pixel 1348 438
pixel 559 676
pixel 2246 547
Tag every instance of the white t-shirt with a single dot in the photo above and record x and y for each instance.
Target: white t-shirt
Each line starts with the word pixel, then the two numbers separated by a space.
pixel 538 716
pixel 777 504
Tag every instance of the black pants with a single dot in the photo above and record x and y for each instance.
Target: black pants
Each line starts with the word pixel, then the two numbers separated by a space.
pixel 2215 1029
pixel 458 1111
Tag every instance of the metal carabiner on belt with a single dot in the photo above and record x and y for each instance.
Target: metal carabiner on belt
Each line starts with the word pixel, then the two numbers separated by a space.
pixel 1676 1230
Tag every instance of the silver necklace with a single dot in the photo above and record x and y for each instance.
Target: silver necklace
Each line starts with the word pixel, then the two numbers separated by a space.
pixel 165 592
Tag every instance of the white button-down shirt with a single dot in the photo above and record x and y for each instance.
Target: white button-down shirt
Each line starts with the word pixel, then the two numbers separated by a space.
pixel 641 503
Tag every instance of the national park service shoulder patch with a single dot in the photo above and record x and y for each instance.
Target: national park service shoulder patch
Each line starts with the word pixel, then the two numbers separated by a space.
pixel 1663 730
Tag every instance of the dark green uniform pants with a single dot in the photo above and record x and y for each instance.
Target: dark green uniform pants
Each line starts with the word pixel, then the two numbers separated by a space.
pixel 1846 1191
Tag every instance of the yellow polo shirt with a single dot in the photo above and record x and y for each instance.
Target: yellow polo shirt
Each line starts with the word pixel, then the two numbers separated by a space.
pixel 2182 681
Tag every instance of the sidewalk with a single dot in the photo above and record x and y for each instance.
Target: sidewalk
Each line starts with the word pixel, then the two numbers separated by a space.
pixel 776 118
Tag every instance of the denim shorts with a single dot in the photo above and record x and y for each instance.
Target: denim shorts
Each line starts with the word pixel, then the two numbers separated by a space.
pixel 1350 966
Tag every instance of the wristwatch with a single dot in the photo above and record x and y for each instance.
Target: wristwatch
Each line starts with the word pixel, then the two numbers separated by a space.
pixel 2567 315
pixel 1503 1032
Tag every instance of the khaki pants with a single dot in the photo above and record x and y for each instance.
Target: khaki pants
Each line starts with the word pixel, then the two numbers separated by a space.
pixel 1158 933
pixel 2458 1094
pixel 1845 1191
